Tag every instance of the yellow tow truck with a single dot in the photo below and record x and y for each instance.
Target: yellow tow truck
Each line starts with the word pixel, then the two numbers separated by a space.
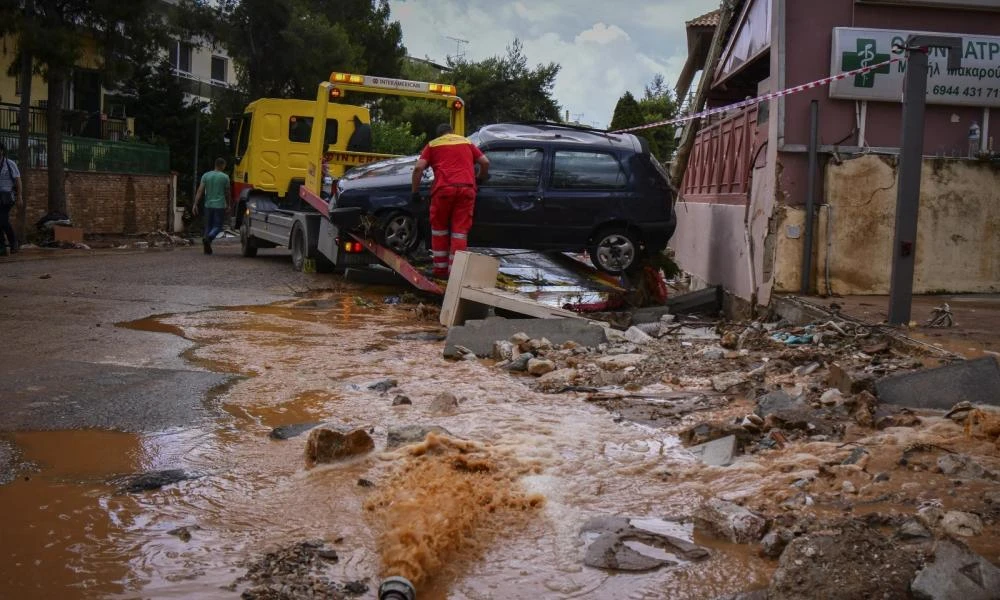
pixel 288 155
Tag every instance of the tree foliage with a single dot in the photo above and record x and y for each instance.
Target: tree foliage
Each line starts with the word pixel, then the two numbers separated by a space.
pixel 657 104
pixel 389 137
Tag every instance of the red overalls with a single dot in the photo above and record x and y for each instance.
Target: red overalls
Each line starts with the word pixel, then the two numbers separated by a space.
pixel 453 197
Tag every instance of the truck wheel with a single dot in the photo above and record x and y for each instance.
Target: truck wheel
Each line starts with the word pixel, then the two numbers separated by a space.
pixel 398 232
pixel 298 247
pixel 615 250
pixel 248 244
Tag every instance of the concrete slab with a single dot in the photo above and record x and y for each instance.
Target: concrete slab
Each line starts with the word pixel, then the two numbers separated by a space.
pixel 977 381
pixel 717 453
pixel 956 572
pixel 479 335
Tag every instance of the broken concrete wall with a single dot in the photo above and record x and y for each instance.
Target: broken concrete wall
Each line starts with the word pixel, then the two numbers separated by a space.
pixel 957 236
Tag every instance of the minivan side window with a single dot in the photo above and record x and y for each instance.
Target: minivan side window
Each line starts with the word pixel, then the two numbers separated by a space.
pixel 572 169
pixel 300 130
pixel 514 167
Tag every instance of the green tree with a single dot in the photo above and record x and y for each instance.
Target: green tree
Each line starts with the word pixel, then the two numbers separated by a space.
pixel 504 88
pixel 395 138
pixel 58 32
pixel 627 113
pixel 658 104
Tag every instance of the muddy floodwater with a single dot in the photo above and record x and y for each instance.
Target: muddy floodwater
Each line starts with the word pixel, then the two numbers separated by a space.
pixel 71 531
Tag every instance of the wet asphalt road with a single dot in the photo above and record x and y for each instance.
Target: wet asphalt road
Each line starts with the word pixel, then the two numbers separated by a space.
pixel 66 364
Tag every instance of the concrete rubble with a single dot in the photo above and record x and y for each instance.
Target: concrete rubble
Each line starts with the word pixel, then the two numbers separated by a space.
pixel 797 413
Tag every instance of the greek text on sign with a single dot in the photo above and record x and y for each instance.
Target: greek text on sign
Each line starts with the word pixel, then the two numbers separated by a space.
pixel 396 84
pixel 975 83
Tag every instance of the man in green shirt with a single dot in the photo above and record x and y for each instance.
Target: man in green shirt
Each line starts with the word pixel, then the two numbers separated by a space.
pixel 215 187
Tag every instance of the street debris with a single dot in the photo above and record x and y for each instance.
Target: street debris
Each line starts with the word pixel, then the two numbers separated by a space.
pixel 634 544
pixel 941 317
pixel 298 570
pixel 327 445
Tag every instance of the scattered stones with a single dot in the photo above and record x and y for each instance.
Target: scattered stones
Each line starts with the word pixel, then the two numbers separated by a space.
pixel 154 480
pixel 326 445
pixel 730 521
pixel 857 456
pixel 623 544
pixel 777 401
pixel 401 400
pixel 637 336
pixel 847 487
pixel 961 524
pixel 849 381
pixel 844 562
pixel 444 403
pixel 287 432
pixel 540 366
pixel 711 353
pixel 365 483
pixel 717 453
pixel 520 364
pixel 411 434
pixel 503 350
pixel 956 572
pixel 618 362
pixel 383 385
pixel 478 335
pixel 295 571
pixel 557 379
pixel 959 465
pixel 183 533
pixel 773 544
pixel 538 346
pixel 912 530
pixel 831 397
pixel 519 338
pixel 724 381
pixel 730 340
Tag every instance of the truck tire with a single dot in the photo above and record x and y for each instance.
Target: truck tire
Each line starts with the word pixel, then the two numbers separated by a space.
pixel 300 252
pixel 248 243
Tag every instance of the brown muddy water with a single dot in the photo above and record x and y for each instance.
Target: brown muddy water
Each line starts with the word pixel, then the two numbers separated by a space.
pixel 505 525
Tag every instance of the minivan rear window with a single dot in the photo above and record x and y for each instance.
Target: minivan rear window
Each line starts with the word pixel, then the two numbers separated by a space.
pixel 573 169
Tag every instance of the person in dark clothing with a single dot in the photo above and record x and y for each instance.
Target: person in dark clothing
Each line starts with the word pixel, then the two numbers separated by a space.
pixel 10 196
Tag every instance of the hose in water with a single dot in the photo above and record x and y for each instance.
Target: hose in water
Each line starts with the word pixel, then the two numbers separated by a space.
pixel 396 588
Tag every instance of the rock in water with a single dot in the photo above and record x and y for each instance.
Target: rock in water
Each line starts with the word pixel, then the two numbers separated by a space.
pixel 326 445
pixel 540 366
pixel 154 480
pixel 444 403
pixel 730 521
pixel 285 432
pixel 411 434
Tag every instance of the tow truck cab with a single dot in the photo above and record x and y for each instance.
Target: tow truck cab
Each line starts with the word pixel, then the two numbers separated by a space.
pixel 271 144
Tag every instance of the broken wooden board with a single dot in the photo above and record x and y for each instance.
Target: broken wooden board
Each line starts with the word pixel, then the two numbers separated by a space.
pixel 472 291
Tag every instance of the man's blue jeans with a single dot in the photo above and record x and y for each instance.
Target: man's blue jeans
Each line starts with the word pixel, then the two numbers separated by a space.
pixel 213 222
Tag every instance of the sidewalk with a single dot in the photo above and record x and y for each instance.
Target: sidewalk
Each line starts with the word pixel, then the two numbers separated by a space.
pixel 976 330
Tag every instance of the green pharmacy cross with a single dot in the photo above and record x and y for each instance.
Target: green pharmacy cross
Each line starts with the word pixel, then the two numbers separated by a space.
pixel 865 56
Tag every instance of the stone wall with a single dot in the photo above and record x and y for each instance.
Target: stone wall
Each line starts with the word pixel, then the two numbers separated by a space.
pixel 958 229
pixel 105 203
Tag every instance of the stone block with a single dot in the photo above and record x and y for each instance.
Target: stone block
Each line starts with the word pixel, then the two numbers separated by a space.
pixel 479 335
pixel 956 572
pixel 717 453
pixel 976 381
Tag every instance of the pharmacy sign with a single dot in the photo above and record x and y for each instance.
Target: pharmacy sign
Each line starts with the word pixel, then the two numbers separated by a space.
pixel 975 83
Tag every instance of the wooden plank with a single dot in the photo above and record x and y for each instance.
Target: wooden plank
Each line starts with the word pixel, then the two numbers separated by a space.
pixel 468 268
pixel 515 303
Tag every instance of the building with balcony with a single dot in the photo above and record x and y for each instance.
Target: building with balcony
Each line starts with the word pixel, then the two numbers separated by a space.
pixel 741 213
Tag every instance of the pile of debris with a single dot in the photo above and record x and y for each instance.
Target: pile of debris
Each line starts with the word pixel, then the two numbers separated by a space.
pixel 295 571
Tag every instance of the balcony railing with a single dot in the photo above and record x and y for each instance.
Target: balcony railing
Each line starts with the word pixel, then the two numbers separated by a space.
pixel 74 122
pixel 84 154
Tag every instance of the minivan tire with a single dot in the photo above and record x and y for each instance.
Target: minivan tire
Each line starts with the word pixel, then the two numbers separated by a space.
pixel 615 250
pixel 398 231
pixel 248 243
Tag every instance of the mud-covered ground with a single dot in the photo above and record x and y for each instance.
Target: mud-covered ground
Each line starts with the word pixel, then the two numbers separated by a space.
pixel 144 389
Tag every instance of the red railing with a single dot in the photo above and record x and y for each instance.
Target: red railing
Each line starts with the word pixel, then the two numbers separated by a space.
pixel 719 165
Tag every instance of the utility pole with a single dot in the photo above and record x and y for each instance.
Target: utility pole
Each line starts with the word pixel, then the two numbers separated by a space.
pixel 911 152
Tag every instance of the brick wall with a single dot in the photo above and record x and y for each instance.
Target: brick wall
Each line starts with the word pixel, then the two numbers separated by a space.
pixel 112 203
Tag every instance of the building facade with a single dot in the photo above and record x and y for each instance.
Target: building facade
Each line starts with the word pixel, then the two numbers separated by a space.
pixel 741 218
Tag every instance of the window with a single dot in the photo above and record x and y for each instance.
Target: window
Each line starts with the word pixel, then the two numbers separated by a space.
pixel 514 167
pixel 300 130
pixel 220 66
pixel 586 170
pixel 180 57
pixel 244 139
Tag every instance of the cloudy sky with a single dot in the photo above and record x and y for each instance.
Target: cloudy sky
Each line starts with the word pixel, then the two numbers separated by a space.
pixel 605 47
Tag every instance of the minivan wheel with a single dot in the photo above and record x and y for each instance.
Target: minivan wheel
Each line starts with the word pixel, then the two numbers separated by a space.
pixel 298 247
pixel 398 231
pixel 615 250
pixel 248 245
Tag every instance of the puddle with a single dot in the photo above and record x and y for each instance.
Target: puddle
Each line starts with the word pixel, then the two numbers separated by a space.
pixel 512 529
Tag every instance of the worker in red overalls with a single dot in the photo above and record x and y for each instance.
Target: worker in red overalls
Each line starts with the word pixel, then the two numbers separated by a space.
pixel 453 196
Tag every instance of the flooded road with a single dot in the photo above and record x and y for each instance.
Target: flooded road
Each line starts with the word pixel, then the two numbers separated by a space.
pixel 555 461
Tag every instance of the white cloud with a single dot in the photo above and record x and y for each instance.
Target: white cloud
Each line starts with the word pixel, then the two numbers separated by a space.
pixel 604 48
pixel 602 34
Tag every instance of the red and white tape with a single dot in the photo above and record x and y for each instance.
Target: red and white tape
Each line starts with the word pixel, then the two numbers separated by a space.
pixel 759 99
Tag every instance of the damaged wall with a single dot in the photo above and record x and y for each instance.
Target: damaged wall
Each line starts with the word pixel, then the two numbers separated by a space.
pixel 109 203
pixel 958 230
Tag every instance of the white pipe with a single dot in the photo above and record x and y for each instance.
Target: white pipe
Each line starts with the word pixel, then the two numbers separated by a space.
pixel 862 123
pixel 985 135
